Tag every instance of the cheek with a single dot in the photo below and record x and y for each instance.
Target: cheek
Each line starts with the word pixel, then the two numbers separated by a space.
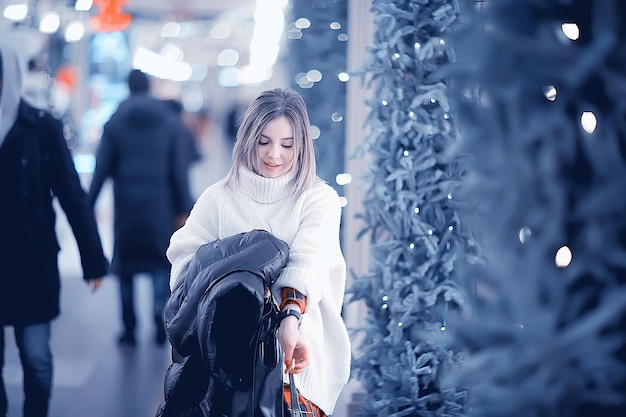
pixel 256 161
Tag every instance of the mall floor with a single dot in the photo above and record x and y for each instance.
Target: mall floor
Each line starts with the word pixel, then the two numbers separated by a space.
pixel 93 375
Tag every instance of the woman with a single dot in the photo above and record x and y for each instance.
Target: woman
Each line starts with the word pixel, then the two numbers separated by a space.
pixel 272 185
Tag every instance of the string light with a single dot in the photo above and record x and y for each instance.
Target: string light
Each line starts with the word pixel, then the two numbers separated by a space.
pixel 571 31
pixel 563 257
pixel 336 117
pixel 343 178
pixel 588 121
pixel 303 23
pixel 315 132
pixel 524 234
pixel 314 76
pixel 549 91
pixel 343 77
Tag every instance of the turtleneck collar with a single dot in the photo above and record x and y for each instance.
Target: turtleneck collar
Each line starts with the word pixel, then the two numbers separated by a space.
pixel 11 90
pixel 266 190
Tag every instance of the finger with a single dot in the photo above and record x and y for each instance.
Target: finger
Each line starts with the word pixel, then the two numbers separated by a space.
pixel 300 365
pixel 289 361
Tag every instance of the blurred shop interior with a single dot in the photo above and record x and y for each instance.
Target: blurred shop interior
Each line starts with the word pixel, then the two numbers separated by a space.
pixel 211 56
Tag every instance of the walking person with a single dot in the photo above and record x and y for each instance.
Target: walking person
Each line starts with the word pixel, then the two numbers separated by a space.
pixel 273 186
pixel 140 151
pixel 36 167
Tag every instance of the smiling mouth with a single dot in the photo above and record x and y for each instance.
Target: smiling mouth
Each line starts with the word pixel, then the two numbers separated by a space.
pixel 270 166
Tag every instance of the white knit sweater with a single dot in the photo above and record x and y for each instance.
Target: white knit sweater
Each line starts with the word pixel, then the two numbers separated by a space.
pixel 309 224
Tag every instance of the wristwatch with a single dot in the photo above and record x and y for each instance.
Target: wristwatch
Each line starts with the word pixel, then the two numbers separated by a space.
pixel 290 312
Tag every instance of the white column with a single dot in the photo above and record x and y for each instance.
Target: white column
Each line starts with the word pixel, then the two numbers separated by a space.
pixel 356 252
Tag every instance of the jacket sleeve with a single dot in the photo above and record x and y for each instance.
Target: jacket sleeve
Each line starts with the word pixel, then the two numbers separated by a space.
pixel 104 166
pixel 178 173
pixel 65 184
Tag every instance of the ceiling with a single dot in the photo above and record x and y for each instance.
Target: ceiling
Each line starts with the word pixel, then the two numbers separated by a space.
pixel 197 18
pixel 187 9
pixel 238 14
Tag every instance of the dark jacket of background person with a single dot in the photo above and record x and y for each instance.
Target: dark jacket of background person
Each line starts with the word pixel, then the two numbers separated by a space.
pixel 35 167
pixel 216 368
pixel 140 151
pixel 190 151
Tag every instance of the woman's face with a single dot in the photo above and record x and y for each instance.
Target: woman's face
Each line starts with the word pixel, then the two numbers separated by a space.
pixel 275 149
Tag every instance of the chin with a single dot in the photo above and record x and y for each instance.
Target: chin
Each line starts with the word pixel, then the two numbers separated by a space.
pixel 273 174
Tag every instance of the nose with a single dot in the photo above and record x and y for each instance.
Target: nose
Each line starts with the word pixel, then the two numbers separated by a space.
pixel 273 151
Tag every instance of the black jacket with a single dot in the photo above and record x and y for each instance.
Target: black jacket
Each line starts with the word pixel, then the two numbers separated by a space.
pixel 223 332
pixel 35 167
pixel 141 152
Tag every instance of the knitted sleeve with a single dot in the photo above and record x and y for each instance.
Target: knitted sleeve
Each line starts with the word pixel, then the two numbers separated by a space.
pixel 315 247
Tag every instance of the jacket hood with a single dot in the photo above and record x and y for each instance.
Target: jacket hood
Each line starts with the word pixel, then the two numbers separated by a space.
pixel 141 110
pixel 11 89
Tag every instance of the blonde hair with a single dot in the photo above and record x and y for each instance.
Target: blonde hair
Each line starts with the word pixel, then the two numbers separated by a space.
pixel 264 108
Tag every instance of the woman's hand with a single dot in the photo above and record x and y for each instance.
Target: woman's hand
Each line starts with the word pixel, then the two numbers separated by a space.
pixel 295 349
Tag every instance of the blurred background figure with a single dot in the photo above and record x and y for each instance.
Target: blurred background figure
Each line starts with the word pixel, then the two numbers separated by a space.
pixel 189 147
pixel 35 167
pixel 37 83
pixel 214 147
pixel 140 151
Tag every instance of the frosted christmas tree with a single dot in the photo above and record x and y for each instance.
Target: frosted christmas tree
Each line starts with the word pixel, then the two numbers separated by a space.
pixel 540 99
pixel 413 216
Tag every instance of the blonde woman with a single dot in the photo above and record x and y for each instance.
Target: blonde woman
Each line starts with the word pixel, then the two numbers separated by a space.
pixel 272 185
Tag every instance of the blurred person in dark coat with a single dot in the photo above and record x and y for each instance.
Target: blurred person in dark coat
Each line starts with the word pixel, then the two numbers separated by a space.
pixel 191 154
pixel 35 167
pixel 140 151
